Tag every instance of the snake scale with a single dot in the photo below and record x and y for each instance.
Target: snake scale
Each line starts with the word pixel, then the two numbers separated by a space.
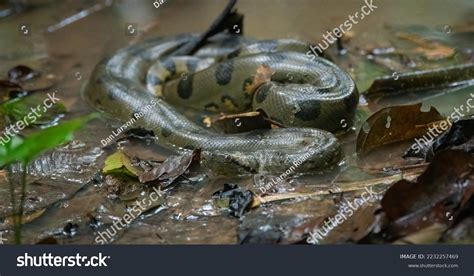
pixel 309 97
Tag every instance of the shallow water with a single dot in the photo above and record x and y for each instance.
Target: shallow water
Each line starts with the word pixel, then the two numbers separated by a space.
pixel 188 215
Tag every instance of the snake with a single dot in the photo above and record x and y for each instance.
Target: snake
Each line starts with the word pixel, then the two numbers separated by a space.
pixel 308 98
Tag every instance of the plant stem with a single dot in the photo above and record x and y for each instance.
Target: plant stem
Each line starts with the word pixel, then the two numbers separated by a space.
pixel 22 203
pixel 11 181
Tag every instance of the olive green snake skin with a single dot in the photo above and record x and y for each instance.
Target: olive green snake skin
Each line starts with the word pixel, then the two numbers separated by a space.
pixel 304 95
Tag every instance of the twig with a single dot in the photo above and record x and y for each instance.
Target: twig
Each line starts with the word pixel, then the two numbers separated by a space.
pixel 224 21
pixel 353 186
pixel 75 17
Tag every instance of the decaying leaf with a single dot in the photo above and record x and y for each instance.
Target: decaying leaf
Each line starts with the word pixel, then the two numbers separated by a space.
pixel 437 196
pixel 263 75
pixel 171 168
pixel 459 136
pixel 242 122
pixel 239 199
pixel 395 124
pixel 10 90
pixel 431 50
pixel 22 73
pixel 430 234
pixel 26 218
pixel 462 232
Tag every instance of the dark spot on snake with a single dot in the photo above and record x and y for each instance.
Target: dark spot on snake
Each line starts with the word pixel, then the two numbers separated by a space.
pixel 98 102
pixel 170 66
pixel 248 81
pixel 268 45
pixel 135 114
pixel 189 147
pixel 166 132
pixel 262 93
pixel 228 98
pixel 224 72
pixel 211 106
pixel 278 57
pixel 185 87
pixel 310 110
pixel 234 53
pixel 153 80
pixel 192 64
pixel 111 96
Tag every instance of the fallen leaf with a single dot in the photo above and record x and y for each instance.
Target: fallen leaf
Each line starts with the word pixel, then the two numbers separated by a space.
pixel 172 168
pixel 22 73
pixel 430 234
pixel 459 136
pixel 430 49
pixel 120 163
pixel 262 75
pixel 10 90
pixel 395 124
pixel 437 196
pixel 26 218
pixel 239 199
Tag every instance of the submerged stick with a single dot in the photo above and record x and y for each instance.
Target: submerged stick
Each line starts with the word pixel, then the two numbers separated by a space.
pixel 422 80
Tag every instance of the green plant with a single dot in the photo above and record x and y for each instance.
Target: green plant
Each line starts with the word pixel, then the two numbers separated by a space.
pixel 24 150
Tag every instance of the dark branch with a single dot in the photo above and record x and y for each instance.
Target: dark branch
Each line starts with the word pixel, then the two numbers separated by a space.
pixel 225 21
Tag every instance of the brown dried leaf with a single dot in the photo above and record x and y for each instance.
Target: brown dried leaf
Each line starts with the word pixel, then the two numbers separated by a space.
pixel 430 234
pixel 437 196
pixel 171 168
pixel 9 90
pixel 22 73
pixel 431 50
pixel 395 124
pixel 263 75
pixel 26 217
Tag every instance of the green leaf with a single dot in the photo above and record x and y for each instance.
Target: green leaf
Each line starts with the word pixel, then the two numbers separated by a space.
pixel 21 109
pixel 120 163
pixel 24 150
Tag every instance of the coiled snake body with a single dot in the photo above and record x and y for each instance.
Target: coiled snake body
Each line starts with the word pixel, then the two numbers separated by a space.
pixel 303 95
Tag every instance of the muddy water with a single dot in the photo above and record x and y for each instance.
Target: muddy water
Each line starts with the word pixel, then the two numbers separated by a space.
pixel 75 208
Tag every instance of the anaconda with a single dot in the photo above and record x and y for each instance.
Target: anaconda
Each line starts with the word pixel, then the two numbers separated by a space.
pixel 309 97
